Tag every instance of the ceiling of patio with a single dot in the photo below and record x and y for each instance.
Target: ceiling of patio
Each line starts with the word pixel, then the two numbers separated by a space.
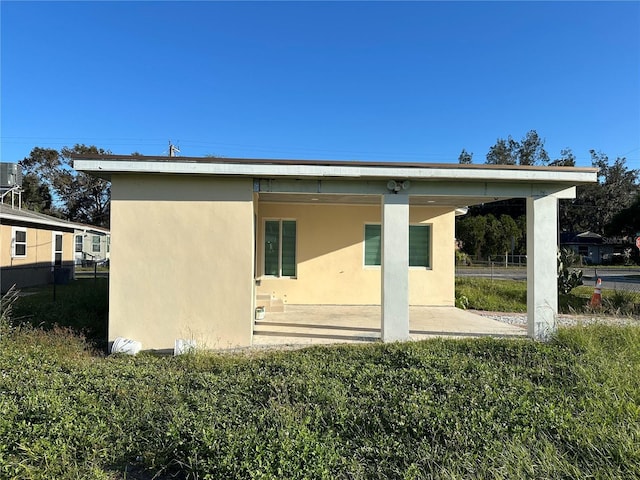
pixel 325 198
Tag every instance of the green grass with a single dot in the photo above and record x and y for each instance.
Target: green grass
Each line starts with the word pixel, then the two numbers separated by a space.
pixel 441 409
pixel 493 295
pixel 81 305
pixel 438 409
pixel 511 296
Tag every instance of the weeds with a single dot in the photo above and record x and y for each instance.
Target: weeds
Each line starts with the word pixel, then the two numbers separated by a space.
pixel 441 409
pixel 482 408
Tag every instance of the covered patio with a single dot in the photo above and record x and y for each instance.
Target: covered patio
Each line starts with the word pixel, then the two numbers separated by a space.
pixel 326 324
pixel 325 232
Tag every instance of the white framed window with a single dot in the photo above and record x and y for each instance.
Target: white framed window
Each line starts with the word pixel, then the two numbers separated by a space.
pixel 108 244
pixel 79 243
pixel 56 241
pixel 18 242
pixel 95 244
pixel 280 248
pixel 419 245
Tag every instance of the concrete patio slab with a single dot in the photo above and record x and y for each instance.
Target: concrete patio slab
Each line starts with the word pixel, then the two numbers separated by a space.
pixel 325 324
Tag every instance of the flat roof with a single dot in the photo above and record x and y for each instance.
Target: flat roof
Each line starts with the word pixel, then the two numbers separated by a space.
pixel 106 165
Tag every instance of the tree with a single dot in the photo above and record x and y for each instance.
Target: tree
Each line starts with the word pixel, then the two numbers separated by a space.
pixel 567 159
pixel 504 152
pixel 484 235
pixel 596 205
pixel 465 157
pixel 529 151
pixel 499 232
pixel 87 198
pixel 78 196
pixel 470 230
pixel 626 221
pixel 36 195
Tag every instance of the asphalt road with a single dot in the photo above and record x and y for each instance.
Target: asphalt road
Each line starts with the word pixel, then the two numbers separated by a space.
pixel 612 278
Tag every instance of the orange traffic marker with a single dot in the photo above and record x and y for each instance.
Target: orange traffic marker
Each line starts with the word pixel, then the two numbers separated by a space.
pixel 596 298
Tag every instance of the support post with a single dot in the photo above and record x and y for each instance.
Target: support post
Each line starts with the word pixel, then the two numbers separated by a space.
pixel 542 267
pixel 395 267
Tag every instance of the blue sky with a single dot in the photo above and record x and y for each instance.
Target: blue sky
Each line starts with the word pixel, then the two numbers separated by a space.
pixel 415 81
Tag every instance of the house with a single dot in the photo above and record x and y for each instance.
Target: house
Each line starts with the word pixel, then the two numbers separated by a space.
pixel 91 245
pixel 594 249
pixel 199 240
pixel 32 246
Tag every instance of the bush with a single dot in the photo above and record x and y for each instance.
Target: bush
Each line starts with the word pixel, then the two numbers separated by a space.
pixel 568 277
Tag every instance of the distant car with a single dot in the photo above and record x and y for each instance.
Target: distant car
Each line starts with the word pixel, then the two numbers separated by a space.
pixel 613 259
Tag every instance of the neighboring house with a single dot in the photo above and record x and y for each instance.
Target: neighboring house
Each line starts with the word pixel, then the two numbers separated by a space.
pixel 32 246
pixel 595 249
pixel 91 245
pixel 198 240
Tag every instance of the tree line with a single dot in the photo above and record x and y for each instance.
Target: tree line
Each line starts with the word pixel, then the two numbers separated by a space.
pixel 610 207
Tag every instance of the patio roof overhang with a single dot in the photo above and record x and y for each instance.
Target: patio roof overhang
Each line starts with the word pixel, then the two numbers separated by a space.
pixel 351 182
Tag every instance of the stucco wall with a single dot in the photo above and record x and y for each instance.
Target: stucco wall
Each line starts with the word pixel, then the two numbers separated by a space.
pixel 35 268
pixel 330 257
pixel 181 260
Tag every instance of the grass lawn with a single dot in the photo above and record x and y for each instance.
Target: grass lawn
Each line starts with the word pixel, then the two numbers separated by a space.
pixel 478 408
pixel 511 296
pixel 81 305
pixel 436 409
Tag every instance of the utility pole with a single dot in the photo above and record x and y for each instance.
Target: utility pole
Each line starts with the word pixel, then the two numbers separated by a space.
pixel 173 149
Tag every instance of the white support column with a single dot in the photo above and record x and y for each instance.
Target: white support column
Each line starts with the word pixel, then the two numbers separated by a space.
pixel 395 267
pixel 542 269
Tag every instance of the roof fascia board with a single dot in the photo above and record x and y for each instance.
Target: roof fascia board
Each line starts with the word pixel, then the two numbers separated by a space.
pixel 101 167
pixel 41 219
pixel 36 221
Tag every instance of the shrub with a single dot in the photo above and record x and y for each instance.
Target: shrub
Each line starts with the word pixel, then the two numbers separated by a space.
pixel 568 277
pixel 622 302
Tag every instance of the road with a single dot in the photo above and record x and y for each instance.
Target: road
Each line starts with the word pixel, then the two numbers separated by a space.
pixel 612 278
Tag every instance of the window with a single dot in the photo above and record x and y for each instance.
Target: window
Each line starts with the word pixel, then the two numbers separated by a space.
pixel 95 244
pixel 372 244
pixel 280 248
pixel 419 245
pixel 57 249
pixel 79 241
pixel 19 242
pixel 108 244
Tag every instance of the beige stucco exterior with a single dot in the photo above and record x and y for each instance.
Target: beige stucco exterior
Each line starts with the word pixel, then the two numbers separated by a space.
pixel 191 274
pixel 330 256
pixel 187 261
pixel 35 268
pixel 181 260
